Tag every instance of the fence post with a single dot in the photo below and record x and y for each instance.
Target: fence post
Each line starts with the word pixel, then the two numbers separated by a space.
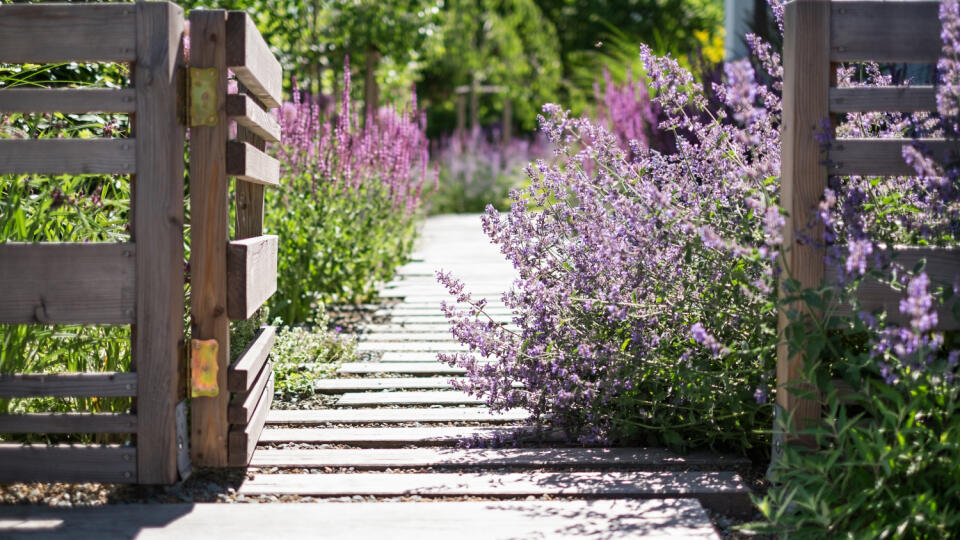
pixel 209 236
pixel 806 81
pixel 157 229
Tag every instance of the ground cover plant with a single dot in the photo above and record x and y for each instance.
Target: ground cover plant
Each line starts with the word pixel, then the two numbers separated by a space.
pixel 350 196
pixel 647 297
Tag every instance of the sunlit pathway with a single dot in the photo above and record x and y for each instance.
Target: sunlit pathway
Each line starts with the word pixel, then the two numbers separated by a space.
pixel 386 459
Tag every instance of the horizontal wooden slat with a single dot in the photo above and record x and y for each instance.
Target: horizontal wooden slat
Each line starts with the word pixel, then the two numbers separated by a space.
pixel 68 423
pixel 67 156
pixel 942 266
pixel 251 274
pixel 251 60
pixel 68 385
pixel 67 283
pixel 242 439
pixel 69 100
pixel 243 373
pixel 63 463
pixel 396 416
pixel 884 31
pixel 245 162
pixel 882 157
pixel 244 404
pixel 888 98
pixel 67 32
pixel 248 114
pixel 426 397
pixel 392 437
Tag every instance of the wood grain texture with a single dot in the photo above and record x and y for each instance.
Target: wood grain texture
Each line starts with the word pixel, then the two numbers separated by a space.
pixel 883 157
pixel 392 437
pixel 210 233
pixel 244 371
pixel 339 386
pixel 68 423
pixel 806 62
pixel 889 98
pixel 382 458
pixel 67 283
pixel 68 100
pixel 63 463
pixel 395 416
pixel 243 438
pixel 243 404
pixel 248 114
pixel 377 399
pixel 247 163
pixel 884 31
pixel 404 368
pixel 64 33
pixel 15 385
pixel 251 274
pixel 941 265
pixel 67 156
pixel 249 57
pixel 157 219
pixel 248 196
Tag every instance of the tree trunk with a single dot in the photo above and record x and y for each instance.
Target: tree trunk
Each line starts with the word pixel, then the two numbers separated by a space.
pixel 371 92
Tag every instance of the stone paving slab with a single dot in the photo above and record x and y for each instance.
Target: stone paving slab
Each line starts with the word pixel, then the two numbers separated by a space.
pixel 387 416
pixel 651 519
pixel 437 397
pixel 593 458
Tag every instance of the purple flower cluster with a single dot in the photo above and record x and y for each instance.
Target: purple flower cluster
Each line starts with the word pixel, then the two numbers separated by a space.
pixel 391 152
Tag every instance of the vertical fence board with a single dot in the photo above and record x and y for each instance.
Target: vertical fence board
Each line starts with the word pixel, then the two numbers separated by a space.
pixel 157 208
pixel 209 236
pixel 803 176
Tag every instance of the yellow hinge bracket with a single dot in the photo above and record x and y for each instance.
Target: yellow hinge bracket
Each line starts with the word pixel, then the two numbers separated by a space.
pixel 203 101
pixel 204 368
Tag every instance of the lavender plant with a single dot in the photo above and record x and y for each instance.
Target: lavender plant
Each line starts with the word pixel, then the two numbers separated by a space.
pixel 349 201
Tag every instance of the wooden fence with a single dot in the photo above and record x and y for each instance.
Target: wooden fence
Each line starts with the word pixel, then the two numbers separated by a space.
pixel 141 282
pixel 818 35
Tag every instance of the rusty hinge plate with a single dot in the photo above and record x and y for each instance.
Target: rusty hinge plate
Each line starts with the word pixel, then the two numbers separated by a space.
pixel 204 102
pixel 203 368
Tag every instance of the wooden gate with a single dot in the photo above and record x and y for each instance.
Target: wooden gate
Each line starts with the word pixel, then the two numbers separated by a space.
pixel 141 282
pixel 817 36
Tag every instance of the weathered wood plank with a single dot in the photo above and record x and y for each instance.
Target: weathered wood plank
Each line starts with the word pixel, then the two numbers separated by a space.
pixel 64 463
pixel 64 33
pixel 411 346
pixel 99 287
pixel 883 31
pixel 209 192
pixel 14 385
pixel 374 399
pixel 157 228
pixel 400 436
pixel 882 157
pixel 890 98
pixel 391 416
pixel 593 458
pixel 244 404
pixel 243 439
pixel 249 57
pixel 806 83
pixel 411 368
pixel 467 520
pixel 337 386
pixel 251 274
pixel 248 114
pixel 68 100
pixel 68 423
pixel 244 371
pixel 645 484
pixel 247 163
pixel 67 156
pixel 942 266
pixel 401 336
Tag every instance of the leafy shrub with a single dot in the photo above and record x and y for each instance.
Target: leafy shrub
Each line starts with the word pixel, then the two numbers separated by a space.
pixel 347 207
pixel 476 171
pixel 303 355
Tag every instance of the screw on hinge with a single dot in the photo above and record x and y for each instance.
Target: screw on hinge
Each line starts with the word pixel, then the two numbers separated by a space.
pixel 202 97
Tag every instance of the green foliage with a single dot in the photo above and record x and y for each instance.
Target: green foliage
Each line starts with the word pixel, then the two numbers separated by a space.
pixel 302 355
pixel 336 245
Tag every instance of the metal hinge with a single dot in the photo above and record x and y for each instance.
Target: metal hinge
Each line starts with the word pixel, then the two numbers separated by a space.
pixel 202 99
pixel 203 368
